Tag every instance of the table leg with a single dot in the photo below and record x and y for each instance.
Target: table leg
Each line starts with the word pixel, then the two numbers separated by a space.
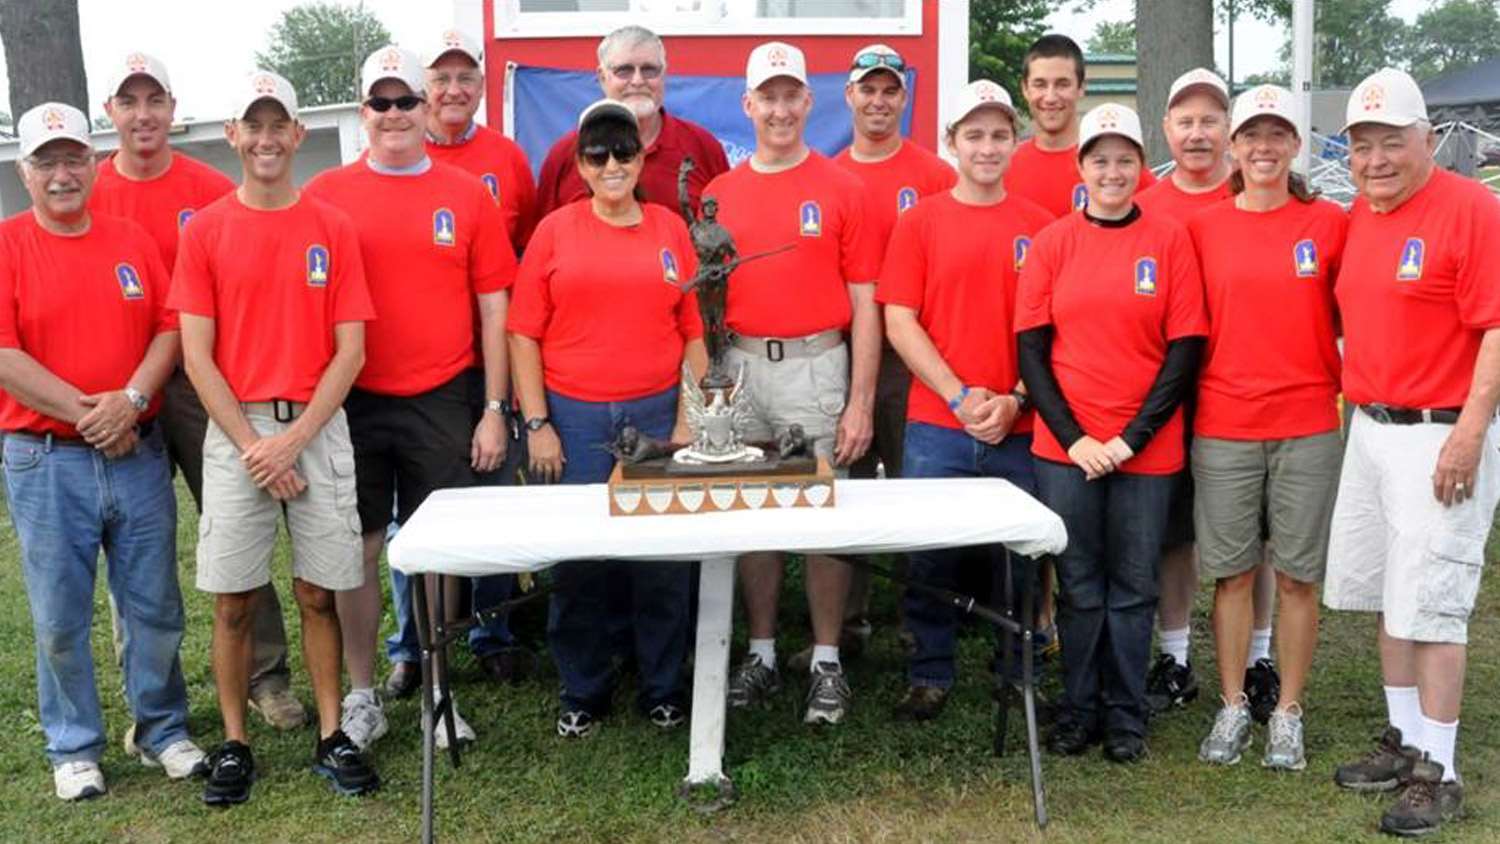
pixel 1028 689
pixel 711 681
pixel 424 639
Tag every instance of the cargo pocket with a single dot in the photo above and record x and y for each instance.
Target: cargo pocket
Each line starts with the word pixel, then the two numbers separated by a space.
pixel 830 380
pixel 1450 577
pixel 345 493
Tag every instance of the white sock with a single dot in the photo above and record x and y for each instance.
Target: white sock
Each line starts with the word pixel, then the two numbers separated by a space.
pixel 1175 643
pixel 824 653
pixel 1438 740
pixel 1405 710
pixel 766 650
pixel 1260 644
pixel 367 693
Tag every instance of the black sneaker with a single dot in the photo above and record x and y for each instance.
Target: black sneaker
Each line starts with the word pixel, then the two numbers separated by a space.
pixel 1124 748
pixel 1263 687
pixel 1169 685
pixel 1070 739
pixel 231 770
pixel 339 762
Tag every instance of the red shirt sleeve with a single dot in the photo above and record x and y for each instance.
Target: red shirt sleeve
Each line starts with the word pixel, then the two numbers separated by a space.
pixel 1478 289
pixel 349 290
pixel 492 259
pixel 1187 314
pixel 1034 290
pixel 192 282
pixel 903 279
pixel 530 304
pixel 859 251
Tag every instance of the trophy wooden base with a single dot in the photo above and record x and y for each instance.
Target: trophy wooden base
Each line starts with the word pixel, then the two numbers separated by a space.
pixel 661 492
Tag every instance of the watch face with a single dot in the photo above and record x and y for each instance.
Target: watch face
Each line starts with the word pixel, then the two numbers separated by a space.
pixel 536 424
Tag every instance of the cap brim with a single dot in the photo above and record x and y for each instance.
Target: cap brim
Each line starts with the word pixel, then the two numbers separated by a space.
pixel 752 84
pixel 1393 122
pixel 1083 145
pixel 450 51
pixel 84 140
pixel 1235 129
pixel 599 113
pixel 146 73
pixel 860 73
pixel 1200 88
pixel 1010 111
pixel 290 112
pixel 419 90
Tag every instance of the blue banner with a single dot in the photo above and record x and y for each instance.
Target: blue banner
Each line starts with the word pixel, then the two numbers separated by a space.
pixel 547 103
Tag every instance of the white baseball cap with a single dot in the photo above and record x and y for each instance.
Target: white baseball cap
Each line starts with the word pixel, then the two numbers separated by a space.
pixel 452 41
pixel 1262 101
pixel 607 108
pixel 49 122
pixel 392 62
pixel 773 59
pixel 1389 97
pixel 877 57
pixel 265 85
pixel 982 93
pixel 1198 80
pixel 136 63
pixel 1110 119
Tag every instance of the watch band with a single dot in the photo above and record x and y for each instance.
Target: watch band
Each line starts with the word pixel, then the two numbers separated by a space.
pixel 139 400
pixel 1023 401
pixel 536 423
pixel 957 400
pixel 498 406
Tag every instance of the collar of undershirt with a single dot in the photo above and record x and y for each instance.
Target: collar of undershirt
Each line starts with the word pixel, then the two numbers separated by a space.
pixel 1135 214
pixel 464 137
pixel 410 170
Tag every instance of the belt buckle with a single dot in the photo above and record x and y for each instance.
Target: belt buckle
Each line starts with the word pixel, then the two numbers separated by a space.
pixel 1380 413
pixel 775 351
pixel 282 410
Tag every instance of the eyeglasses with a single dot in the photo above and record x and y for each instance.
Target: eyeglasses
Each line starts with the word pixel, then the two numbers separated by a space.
pixel 626 72
pixel 599 155
pixel 865 61
pixel 405 102
pixel 50 164
pixel 464 79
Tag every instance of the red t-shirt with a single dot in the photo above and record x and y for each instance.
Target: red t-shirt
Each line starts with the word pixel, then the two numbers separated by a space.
pixel 430 243
pixel 1165 198
pixel 1115 297
pixel 957 266
pixel 894 185
pixel 559 183
pixel 275 283
pixel 605 302
pixel 86 308
pixel 816 207
pixel 1050 178
pixel 1272 367
pixel 161 205
pixel 501 165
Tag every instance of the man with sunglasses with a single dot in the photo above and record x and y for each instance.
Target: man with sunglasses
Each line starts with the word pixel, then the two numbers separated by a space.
pixel 147 181
pixel 633 70
pixel 86 343
pixel 435 251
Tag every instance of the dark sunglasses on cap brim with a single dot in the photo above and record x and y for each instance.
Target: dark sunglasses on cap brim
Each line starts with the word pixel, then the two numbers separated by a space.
pixel 405 102
pixel 599 155
pixel 866 61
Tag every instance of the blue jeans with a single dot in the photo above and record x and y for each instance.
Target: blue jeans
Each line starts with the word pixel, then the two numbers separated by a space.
pixel 1107 590
pixel 932 451
pixel 578 622
pixel 67 501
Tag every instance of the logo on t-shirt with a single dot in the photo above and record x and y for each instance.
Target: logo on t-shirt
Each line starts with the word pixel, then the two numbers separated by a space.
pixel 493 184
pixel 811 217
pixel 1080 197
pixel 1305 258
pixel 1145 277
pixel 317 265
pixel 668 267
pixel 1412 255
pixel 183 216
pixel 442 227
pixel 905 198
pixel 130 282
pixel 1019 250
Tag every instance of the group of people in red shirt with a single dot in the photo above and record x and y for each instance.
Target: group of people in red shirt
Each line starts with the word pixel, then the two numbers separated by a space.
pixel 1156 361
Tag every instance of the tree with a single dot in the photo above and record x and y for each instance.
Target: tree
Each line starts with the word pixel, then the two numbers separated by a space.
pixel 1351 38
pixel 319 48
pixel 1000 31
pixel 1453 35
pixel 1172 37
pixel 43 53
pixel 1113 37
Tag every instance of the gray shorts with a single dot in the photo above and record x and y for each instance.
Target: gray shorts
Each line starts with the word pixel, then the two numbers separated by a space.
pixel 807 391
pixel 1289 483
pixel 237 531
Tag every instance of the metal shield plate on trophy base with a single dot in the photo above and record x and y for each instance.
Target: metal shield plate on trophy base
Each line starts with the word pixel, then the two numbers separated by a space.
pixel 785 495
pixel 624 499
pixel 665 494
pixel 723 496
pixel 691 497
pixel 755 493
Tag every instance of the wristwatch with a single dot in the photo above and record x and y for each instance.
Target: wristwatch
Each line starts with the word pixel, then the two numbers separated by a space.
pixel 138 400
pixel 498 406
pixel 536 423
pixel 1023 401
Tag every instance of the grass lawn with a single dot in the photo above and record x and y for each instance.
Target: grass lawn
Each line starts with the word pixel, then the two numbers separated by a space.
pixel 870 780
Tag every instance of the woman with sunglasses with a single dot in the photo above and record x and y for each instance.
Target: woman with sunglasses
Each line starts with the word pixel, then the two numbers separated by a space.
pixel 599 330
pixel 1111 323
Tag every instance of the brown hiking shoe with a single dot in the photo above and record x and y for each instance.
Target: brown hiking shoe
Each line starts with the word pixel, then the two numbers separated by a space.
pixel 922 703
pixel 279 707
pixel 1426 802
pixel 1383 768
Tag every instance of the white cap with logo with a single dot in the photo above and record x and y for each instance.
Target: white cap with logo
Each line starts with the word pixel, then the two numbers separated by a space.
pixel 50 122
pixel 136 63
pixel 452 41
pixel 982 93
pixel 1263 101
pixel 877 57
pixel 773 59
pixel 1199 80
pixel 1389 97
pixel 264 85
pixel 392 62
pixel 1110 119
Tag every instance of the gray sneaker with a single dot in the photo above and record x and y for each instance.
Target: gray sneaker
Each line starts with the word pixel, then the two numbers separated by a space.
pixel 1284 744
pixel 752 683
pixel 1230 735
pixel 828 697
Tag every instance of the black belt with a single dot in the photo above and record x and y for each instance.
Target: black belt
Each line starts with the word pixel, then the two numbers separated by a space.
pixel 1387 415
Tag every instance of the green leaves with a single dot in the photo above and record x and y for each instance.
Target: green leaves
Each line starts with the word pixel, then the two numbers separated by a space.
pixel 319 48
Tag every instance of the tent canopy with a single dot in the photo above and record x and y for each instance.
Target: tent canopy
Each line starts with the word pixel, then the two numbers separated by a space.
pixel 1473 85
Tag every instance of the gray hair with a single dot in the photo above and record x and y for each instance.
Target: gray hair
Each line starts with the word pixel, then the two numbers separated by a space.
pixel 631 36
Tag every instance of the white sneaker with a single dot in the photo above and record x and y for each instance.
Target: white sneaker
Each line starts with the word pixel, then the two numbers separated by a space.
pixel 363 718
pixel 461 729
pixel 78 780
pixel 181 759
